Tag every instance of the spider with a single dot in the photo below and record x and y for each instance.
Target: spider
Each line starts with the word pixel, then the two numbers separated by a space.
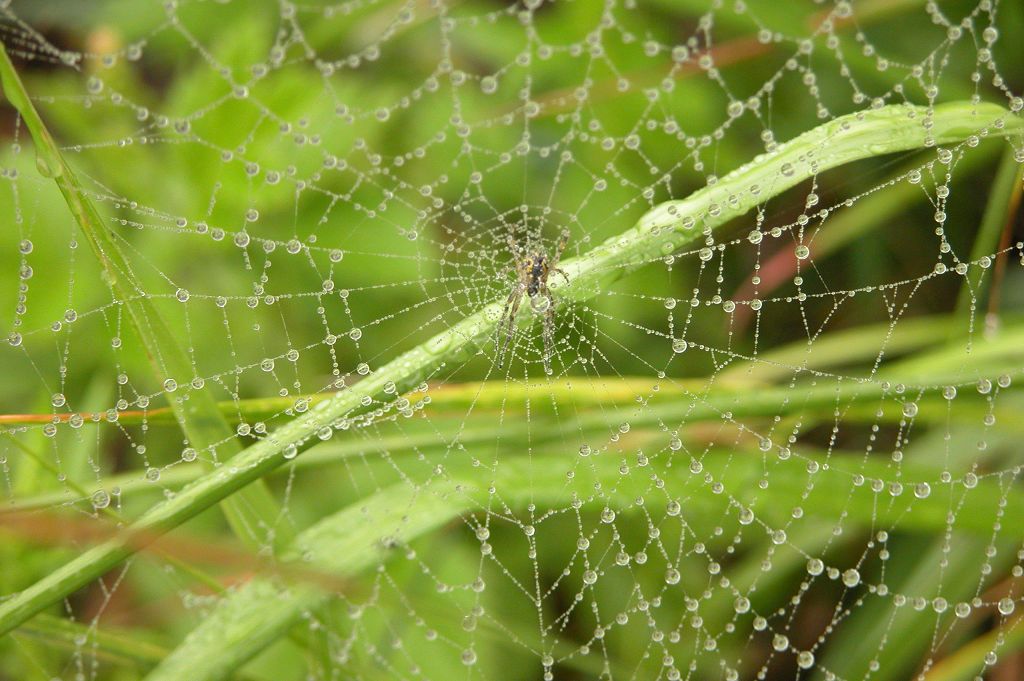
pixel 532 271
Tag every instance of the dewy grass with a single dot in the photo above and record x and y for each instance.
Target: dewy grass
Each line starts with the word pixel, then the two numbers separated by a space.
pixel 359 536
pixel 660 232
pixel 254 513
pixel 1003 199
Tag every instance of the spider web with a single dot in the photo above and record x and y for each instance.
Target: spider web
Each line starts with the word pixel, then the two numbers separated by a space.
pixel 786 450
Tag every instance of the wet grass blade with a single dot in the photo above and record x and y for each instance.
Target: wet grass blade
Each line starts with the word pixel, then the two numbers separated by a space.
pixel 253 514
pixel 368 531
pixel 1003 201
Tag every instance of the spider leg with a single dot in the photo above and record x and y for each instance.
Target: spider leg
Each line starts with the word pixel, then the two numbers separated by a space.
pixel 558 250
pixel 508 320
pixel 562 272
pixel 548 334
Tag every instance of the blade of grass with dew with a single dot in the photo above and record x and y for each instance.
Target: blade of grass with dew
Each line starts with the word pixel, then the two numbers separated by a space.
pixel 970 661
pixel 254 512
pixel 858 645
pixel 871 212
pixel 657 234
pixel 677 399
pixel 772 402
pixel 914 573
pixel 838 348
pixel 121 648
pixel 371 530
pixel 117 647
pixel 1002 200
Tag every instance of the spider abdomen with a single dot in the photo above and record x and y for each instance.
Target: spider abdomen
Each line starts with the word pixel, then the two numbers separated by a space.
pixel 536 276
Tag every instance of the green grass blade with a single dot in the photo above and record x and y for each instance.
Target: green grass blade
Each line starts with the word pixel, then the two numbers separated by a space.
pixel 63 634
pixel 363 534
pixel 657 234
pixel 1005 195
pixel 859 643
pixel 254 512
pixel 869 213
pixel 969 663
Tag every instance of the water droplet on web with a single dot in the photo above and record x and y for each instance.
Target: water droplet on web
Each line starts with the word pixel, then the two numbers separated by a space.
pixel 100 499
pixel 540 303
pixel 851 577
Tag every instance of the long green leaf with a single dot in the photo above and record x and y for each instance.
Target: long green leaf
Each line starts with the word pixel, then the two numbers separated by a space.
pixel 1004 196
pixel 363 534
